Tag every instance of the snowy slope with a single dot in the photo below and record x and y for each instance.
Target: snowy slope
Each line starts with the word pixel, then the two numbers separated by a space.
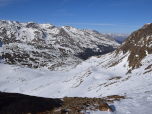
pixel 86 80
pixel 100 76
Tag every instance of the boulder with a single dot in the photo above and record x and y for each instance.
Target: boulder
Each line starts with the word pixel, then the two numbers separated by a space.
pixel 105 107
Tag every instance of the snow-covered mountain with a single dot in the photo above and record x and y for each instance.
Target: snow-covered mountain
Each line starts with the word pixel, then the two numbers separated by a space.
pixel 45 45
pixel 127 71
pixel 119 37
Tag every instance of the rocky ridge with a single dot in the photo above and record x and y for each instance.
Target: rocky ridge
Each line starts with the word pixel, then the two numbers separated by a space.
pixel 136 47
pixel 45 45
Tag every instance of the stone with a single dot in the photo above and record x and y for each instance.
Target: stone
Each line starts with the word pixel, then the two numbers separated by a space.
pixel 105 107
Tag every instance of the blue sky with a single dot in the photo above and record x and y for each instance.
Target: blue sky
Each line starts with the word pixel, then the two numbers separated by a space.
pixel 105 16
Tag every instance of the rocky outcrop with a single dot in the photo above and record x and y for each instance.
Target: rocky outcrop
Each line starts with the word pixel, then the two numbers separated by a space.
pixel 133 52
pixel 139 44
pixel 105 107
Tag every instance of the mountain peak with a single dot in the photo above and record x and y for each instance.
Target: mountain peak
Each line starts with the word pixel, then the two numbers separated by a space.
pixel 68 27
pixel 32 25
pixel 147 25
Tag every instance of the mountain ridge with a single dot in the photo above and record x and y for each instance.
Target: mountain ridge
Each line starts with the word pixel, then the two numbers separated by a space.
pixel 44 45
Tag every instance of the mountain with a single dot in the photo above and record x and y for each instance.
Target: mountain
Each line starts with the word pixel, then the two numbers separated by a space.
pixel 47 46
pixel 118 37
pixel 127 71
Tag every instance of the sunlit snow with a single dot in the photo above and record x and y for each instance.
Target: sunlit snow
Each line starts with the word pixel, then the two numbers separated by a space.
pixel 88 79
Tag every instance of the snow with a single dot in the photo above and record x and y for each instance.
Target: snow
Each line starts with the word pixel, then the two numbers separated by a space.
pixel 136 55
pixel 88 79
pixel 97 112
pixel 148 23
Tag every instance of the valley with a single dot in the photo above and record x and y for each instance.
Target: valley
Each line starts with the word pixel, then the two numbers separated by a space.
pixel 124 71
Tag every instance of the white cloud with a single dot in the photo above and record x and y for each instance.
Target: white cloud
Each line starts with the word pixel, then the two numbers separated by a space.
pixel 62 12
pixel 101 24
pixel 93 3
pixel 64 1
pixel 120 4
pixel 5 2
pixel 8 2
pixel 89 23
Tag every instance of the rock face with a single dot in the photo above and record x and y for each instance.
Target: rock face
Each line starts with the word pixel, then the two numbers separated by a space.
pixel 105 107
pixel 44 45
pixel 136 47
pixel 139 44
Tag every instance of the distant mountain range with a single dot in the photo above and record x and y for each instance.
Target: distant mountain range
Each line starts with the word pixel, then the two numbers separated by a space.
pixel 45 45
pixel 119 37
